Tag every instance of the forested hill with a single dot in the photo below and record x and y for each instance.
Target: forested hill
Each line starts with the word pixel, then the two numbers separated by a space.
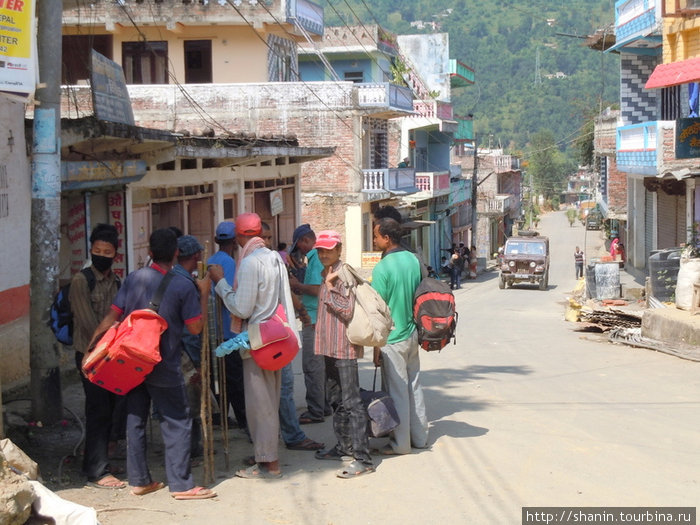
pixel 501 41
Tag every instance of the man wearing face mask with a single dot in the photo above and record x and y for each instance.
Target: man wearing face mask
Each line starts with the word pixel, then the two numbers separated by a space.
pixel 91 293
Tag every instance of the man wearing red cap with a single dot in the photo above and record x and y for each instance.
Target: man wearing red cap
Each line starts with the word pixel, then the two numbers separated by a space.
pixel 260 285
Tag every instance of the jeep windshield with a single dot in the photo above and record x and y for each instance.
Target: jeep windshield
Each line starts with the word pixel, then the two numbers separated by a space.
pixel 526 248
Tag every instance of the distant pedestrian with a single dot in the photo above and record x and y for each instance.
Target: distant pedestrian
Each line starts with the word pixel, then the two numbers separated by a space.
pixel 578 260
pixel 473 261
pixel 457 269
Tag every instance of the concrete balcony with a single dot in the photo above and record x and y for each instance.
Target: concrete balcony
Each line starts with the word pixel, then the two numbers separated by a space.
pixel 461 75
pixel 465 130
pixel 384 95
pixel 433 184
pixel 495 206
pixel 637 25
pixel 399 181
pixel 640 147
pixel 175 14
pixel 433 109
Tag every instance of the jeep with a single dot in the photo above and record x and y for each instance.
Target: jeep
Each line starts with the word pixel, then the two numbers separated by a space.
pixel 525 260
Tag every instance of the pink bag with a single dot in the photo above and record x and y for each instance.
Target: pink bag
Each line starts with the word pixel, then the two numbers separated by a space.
pixel 273 343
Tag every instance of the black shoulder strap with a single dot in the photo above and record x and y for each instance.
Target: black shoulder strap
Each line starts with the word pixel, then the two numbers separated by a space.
pixel 158 296
pixel 89 277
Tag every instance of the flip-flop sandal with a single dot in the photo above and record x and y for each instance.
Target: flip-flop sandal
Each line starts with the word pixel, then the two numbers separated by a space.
pixel 147 489
pixel 333 454
pixel 115 484
pixel 306 444
pixel 194 493
pixel 354 469
pixel 257 472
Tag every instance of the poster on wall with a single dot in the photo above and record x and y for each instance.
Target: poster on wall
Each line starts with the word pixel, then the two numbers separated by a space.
pixel 115 209
pixel 276 202
pixel 76 235
pixel 17 49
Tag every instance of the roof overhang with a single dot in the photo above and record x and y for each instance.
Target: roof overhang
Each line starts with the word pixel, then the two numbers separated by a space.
pixel 674 74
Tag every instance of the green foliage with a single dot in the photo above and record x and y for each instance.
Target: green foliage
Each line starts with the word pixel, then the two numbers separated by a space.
pixel 500 41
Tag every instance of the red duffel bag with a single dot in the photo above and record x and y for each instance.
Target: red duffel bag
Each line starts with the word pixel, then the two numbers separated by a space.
pixel 129 350
pixel 273 343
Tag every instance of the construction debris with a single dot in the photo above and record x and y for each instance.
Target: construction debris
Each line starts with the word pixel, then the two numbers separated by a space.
pixel 633 337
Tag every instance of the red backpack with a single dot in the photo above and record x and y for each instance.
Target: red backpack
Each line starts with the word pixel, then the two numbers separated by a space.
pixel 434 313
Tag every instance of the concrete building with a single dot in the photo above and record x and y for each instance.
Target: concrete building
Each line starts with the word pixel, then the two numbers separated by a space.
pixel 654 135
pixel 611 182
pixel 207 85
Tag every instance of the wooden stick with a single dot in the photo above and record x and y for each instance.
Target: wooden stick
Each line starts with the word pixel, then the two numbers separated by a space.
pixel 205 406
pixel 222 381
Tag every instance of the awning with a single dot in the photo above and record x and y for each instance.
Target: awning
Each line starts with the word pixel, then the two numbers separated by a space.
pixel 414 225
pixel 675 73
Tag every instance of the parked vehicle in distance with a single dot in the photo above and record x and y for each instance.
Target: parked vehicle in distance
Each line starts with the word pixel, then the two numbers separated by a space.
pixel 525 260
pixel 594 220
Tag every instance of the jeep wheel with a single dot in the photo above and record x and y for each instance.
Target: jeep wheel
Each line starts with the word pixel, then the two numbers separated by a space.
pixel 501 282
pixel 544 282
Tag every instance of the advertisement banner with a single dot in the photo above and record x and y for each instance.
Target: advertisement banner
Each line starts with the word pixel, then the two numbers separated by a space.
pixel 17 48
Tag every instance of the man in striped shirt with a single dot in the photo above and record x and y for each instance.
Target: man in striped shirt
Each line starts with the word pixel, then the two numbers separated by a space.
pixel 335 308
pixel 578 259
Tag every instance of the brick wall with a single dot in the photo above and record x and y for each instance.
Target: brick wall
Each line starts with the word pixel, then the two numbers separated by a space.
pixel 617 186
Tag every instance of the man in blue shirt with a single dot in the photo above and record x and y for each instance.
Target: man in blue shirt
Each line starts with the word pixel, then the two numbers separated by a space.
pixel 313 365
pixel 181 306
pixel 226 239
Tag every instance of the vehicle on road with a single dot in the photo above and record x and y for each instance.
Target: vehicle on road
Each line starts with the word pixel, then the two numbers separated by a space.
pixel 594 220
pixel 525 260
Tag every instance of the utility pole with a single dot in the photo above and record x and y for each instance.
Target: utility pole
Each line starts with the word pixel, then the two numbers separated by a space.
pixel 474 188
pixel 47 405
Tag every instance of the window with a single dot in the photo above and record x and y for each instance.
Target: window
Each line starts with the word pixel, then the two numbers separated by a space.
pixel 198 62
pixel 145 62
pixel 671 103
pixel 354 76
pixel 76 55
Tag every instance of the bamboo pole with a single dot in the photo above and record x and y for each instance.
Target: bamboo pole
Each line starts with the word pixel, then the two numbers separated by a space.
pixel 205 405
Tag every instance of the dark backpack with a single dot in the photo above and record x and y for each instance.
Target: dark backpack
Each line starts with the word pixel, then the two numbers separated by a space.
pixel 61 315
pixel 434 313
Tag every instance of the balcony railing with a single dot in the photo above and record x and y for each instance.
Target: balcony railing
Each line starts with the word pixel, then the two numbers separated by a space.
pixel 384 95
pixel 433 109
pixel 398 180
pixel 434 183
pixel 637 145
pixel 635 18
pixel 465 130
pixel 460 74
pixel 498 205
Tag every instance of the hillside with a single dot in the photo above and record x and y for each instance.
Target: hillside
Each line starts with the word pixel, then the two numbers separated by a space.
pixel 501 41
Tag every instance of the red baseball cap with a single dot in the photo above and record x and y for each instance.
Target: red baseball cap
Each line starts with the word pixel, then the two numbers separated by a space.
pixel 327 239
pixel 248 224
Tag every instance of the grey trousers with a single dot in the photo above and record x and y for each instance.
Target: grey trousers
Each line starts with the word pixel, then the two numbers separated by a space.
pixel 262 403
pixel 401 379
pixel 314 375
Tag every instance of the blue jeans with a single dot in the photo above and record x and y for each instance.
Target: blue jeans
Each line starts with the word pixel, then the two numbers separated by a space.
pixel 456 278
pixel 289 422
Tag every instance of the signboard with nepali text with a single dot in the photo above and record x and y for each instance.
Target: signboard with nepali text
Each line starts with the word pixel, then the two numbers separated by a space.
pixel 109 94
pixel 688 138
pixel 17 48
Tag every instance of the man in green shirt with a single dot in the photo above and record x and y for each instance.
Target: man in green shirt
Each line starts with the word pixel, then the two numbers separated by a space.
pixel 396 277
pixel 313 365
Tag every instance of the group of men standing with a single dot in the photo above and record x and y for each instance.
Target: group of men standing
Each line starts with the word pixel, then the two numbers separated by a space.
pixel 251 286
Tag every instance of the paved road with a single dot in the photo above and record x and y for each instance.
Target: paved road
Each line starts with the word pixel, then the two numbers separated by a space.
pixel 523 411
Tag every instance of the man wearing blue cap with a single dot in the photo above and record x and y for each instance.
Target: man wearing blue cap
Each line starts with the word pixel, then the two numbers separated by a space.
pixel 226 239
pixel 313 365
pixel 189 254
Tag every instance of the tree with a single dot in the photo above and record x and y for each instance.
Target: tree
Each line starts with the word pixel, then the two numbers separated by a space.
pixel 546 165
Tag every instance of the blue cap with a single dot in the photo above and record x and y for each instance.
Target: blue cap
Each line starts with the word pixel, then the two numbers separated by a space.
pixel 300 232
pixel 188 245
pixel 225 230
